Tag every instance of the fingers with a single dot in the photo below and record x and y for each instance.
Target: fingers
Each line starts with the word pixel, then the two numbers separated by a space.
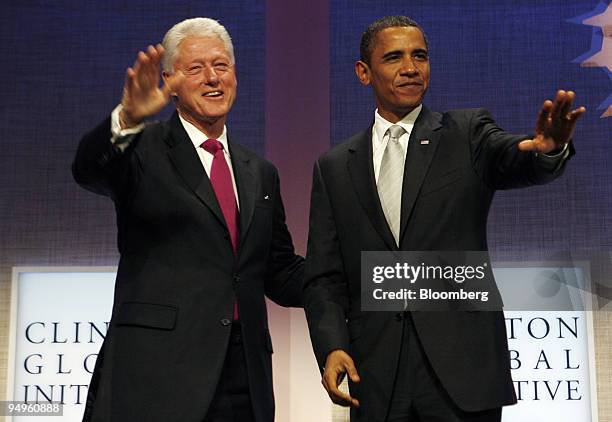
pixel 543 116
pixel 563 105
pixel 330 382
pixel 155 54
pixel 351 371
pixel 129 78
pixel 338 364
pixel 132 73
pixel 558 105
pixel 152 55
pixel 147 63
pixel 141 61
pixel 142 95
pixel 145 72
pixel 555 124
pixel 574 115
pixel 566 105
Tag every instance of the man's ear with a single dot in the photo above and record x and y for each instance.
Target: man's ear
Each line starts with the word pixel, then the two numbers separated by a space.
pixel 362 70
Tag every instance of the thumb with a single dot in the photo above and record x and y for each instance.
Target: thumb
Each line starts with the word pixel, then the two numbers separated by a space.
pixel 528 145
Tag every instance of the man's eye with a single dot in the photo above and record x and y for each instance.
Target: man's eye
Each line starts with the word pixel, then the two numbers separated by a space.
pixel 392 58
pixel 222 66
pixel 192 70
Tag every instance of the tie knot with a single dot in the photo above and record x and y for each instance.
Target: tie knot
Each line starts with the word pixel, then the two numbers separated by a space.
pixel 212 145
pixel 395 132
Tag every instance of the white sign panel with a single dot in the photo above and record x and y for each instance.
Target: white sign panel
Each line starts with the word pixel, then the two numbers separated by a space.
pixel 59 320
pixel 60 317
pixel 551 350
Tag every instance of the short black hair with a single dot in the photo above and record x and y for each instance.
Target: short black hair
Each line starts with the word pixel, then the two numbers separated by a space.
pixel 367 38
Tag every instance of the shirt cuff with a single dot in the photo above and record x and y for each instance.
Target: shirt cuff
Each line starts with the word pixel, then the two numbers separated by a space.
pixel 120 137
pixel 554 162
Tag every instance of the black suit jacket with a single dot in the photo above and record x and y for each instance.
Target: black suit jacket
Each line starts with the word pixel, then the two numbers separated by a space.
pixel 448 186
pixel 178 277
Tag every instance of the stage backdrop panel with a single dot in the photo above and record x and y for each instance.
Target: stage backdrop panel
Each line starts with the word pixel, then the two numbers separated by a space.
pixel 60 317
pixel 59 320
pixel 506 56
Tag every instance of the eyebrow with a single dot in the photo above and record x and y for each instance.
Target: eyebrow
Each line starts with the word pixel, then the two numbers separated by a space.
pixel 394 53
pixel 391 54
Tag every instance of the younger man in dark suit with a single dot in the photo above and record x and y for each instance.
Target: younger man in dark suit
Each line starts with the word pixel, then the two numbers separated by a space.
pixel 415 180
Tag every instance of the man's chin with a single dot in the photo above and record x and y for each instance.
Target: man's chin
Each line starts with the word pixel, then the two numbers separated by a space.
pixel 211 115
pixel 409 106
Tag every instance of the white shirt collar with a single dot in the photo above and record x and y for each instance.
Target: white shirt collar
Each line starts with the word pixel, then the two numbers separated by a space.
pixel 198 137
pixel 381 124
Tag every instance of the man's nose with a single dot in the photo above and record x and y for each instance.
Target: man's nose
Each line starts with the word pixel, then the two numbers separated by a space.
pixel 409 67
pixel 210 76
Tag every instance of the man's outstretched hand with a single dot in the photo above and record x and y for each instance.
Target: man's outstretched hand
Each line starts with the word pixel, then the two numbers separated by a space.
pixel 142 95
pixel 337 365
pixel 555 124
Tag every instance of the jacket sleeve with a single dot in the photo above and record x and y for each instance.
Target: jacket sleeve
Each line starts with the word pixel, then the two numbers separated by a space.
pixel 500 164
pixel 104 167
pixel 326 299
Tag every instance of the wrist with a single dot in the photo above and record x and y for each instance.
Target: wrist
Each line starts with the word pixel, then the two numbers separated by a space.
pixel 126 121
pixel 557 151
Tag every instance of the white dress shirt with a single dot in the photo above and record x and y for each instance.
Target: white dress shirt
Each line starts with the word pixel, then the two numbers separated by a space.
pixel 195 135
pixel 380 137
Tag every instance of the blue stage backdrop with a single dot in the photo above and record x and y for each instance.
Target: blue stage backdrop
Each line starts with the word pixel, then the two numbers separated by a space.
pixel 65 61
pixel 506 56
pixel 64 64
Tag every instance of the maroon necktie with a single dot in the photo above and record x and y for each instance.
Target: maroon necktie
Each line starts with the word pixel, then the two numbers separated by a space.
pixel 221 180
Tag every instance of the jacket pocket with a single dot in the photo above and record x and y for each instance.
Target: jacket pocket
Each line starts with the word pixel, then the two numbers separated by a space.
pixel 149 315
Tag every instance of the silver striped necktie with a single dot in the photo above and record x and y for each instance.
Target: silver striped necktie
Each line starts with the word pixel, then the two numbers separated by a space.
pixel 390 179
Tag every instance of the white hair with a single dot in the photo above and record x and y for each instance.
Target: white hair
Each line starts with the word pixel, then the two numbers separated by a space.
pixel 195 27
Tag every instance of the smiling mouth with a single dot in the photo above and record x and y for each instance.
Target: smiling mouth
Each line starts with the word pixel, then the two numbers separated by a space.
pixel 410 84
pixel 212 94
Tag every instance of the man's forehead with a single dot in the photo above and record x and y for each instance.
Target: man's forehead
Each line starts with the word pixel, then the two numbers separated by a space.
pixel 193 43
pixel 400 37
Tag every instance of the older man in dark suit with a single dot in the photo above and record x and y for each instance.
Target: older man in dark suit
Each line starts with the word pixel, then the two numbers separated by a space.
pixel 415 180
pixel 202 237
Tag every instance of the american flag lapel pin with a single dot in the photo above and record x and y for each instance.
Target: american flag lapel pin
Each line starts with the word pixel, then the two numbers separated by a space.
pixel 424 142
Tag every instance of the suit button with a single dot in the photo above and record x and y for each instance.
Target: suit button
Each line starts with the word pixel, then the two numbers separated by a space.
pixel 236 278
pixel 399 316
pixel 225 322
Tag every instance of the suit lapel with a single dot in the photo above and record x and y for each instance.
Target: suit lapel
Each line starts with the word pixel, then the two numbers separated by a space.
pixel 186 161
pixel 422 146
pixel 361 171
pixel 244 174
